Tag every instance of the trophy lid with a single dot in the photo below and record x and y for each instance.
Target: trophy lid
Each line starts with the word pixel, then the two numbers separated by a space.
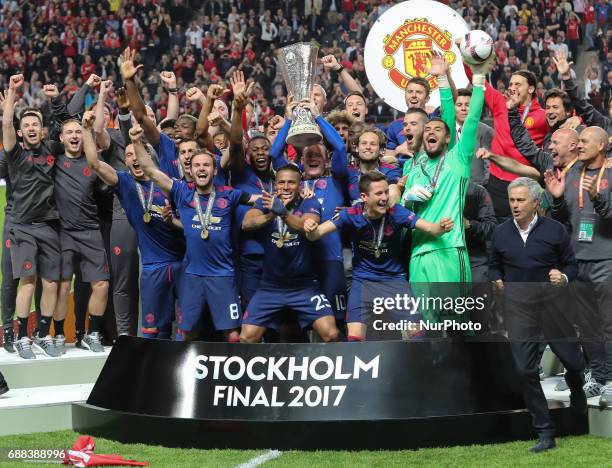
pixel 298 64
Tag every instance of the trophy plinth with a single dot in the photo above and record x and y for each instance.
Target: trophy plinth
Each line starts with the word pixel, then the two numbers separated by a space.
pixel 298 65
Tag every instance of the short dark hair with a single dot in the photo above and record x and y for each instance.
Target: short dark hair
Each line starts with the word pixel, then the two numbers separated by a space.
pixel 530 77
pixel 437 119
pixel 289 167
pixel 186 140
pixel 422 82
pixel 167 123
pixel 559 93
pixel 464 92
pixel 368 178
pixel 356 93
pixel 417 110
pixel 202 151
pixel 31 112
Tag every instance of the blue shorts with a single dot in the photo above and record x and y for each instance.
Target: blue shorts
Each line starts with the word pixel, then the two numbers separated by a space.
pixel 333 284
pixel 251 269
pixel 308 301
pixel 387 300
pixel 219 293
pixel 159 291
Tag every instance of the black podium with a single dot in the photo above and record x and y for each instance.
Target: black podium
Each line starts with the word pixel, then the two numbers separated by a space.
pixel 353 396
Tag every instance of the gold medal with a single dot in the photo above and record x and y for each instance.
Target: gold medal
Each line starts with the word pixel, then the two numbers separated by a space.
pixel 377 253
pixel 204 234
pixel 280 243
pixel 146 217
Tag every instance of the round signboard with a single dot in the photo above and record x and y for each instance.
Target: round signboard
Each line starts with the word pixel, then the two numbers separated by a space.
pixel 399 47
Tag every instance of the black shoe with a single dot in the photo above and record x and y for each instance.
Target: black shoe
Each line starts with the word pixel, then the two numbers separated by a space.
pixel 3 385
pixel 79 340
pixel 543 445
pixel 9 341
pixel 578 401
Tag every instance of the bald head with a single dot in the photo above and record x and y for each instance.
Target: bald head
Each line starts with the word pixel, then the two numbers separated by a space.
pixel 563 146
pixel 592 144
pixel 600 135
pixel 568 134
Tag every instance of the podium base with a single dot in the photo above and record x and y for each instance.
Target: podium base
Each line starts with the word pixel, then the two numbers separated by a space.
pixel 389 434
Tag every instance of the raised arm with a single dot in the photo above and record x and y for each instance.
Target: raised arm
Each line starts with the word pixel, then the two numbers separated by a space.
pixel 277 150
pixel 105 172
pixel 103 139
pixel 124 117
pixel 195 94
pixel 440 69
pixel 169 79
pixel 467 143
pixel 137 105
pixel 236 149
pixel 146 162
pixel 590 115
pixel 9 137
pixel 330 63
pixel 76 106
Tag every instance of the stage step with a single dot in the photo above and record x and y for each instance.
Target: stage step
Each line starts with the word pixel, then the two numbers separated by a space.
pixel 600 420
pixel 77 366
pixel 40 409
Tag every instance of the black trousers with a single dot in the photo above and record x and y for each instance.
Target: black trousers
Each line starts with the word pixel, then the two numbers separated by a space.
pixel 526 325
pixel 593 293
pixel 8 294
pixel 124 272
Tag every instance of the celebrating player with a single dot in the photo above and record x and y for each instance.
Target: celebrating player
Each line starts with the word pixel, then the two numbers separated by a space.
pixel 289 276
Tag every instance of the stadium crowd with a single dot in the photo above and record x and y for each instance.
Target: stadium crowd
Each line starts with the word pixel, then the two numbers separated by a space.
pixel 145 152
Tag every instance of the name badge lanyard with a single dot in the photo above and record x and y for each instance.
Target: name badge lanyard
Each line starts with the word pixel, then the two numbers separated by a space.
pixel 580 188
pixel 146 217
pixel 526 112
pixel 568 167
pixel 204 217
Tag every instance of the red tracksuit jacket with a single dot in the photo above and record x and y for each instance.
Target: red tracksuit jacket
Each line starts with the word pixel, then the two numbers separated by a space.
pixel 502 143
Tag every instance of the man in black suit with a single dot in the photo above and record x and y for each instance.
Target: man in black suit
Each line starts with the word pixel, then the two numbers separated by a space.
pixel 531 256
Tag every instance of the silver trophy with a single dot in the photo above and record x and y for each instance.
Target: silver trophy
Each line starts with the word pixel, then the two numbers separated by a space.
pixel 298 65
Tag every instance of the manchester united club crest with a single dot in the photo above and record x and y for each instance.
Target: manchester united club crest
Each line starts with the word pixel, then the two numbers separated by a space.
pixel 408 51
pixel 400 46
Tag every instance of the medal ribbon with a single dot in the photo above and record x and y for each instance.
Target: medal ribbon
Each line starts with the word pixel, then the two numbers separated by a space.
pixel 204 217
pixel 282 226
pixel 145 206
pixel 377 239
pixel 580 188
pixel 433 181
